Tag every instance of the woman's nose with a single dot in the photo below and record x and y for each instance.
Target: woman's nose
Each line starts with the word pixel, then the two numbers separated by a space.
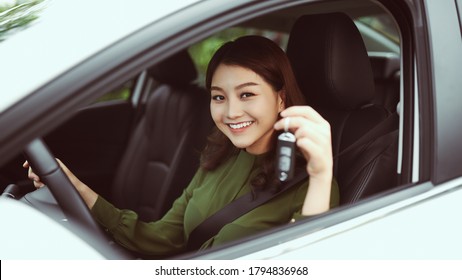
pixel 234 109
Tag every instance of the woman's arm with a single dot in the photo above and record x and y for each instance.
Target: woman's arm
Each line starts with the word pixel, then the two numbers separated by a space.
pixel 157 238
pixel 88 195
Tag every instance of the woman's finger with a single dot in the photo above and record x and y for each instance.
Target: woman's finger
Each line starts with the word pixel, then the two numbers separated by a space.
pixel 302 111
pixel 304 125
pixel 32 176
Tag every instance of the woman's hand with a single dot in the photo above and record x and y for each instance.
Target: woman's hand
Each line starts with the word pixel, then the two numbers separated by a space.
pixel 88 195
pixel 313 135
pixel 31 175
pixel 313 138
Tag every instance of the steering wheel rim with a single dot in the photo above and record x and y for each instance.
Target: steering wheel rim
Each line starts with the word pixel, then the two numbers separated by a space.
pixel 69 200
pixel 47 168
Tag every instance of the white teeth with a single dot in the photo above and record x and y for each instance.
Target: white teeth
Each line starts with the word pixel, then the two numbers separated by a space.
pixel 240 125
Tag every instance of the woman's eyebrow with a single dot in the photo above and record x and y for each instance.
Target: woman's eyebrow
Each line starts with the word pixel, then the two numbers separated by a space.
pixel 236 88
pixel 216 88
pixel 246 85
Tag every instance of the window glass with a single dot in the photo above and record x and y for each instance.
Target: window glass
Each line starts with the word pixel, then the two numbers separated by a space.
pixel 121 93
pixel 383 24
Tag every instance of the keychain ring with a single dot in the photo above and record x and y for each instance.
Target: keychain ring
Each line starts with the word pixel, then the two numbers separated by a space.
pixel 286 124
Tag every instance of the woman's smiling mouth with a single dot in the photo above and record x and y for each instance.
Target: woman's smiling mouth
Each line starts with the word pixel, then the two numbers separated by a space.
pixel 240 125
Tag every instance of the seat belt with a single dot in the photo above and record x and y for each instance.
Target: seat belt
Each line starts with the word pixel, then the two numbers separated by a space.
pixel 213 224
pixel 244 204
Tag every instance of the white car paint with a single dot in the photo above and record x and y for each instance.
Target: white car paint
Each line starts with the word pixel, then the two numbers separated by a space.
pixel 403 230
pixel 68 32
pixel 36 236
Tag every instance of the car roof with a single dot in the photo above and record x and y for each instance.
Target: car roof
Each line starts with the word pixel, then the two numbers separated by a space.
pixel 68 32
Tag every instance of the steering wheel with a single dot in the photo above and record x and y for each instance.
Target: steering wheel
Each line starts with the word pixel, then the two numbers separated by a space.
pixel 69 200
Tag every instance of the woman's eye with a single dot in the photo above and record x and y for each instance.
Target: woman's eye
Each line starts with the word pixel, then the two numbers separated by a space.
pixel 247 95
pixel 218 97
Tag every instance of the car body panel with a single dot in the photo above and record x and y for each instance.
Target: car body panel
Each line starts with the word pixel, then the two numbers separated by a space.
pixel 447 87
pixel 404 230
pixel 41 237
pixel 56 49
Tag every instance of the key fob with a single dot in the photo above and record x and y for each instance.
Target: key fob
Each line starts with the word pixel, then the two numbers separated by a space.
pixel 285 156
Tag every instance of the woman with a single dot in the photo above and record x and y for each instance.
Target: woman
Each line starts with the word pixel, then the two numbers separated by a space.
pixel 253 91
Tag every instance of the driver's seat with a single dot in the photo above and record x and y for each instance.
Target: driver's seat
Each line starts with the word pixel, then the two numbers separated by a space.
pixel 163 152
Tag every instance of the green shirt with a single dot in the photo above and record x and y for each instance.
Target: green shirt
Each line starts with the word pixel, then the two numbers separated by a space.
pixel 208 192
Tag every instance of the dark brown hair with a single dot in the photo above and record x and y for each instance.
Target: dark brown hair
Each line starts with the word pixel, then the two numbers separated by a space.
pixel 268 60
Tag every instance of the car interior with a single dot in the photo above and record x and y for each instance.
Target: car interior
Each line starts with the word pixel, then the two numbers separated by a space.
pixel 140 150
pixel 147 178
pixel 334 72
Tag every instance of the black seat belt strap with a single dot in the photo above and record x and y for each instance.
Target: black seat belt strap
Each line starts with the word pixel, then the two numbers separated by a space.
pixel 213 224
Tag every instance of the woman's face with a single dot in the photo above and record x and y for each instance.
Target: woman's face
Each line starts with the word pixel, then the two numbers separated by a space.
pixel 244 107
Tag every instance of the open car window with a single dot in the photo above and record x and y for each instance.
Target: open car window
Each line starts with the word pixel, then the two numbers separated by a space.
pixel 101 115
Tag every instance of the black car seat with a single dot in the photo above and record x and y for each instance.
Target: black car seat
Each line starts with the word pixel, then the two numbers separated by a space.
pixel 163 153
pixel 333 70
pixel 386 69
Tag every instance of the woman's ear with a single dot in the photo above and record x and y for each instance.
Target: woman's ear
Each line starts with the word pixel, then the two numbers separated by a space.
pixel 281 100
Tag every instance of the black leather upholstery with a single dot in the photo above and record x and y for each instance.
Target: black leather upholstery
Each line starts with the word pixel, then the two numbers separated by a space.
pixel 163 152
pixel 386 70
pixel 332 68
pixel 178 70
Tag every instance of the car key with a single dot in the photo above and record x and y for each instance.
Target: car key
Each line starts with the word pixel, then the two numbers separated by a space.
pixel 286 154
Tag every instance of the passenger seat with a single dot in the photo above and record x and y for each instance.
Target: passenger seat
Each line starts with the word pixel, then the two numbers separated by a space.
pixel 163 152
pixel 385 67
pixel 333 70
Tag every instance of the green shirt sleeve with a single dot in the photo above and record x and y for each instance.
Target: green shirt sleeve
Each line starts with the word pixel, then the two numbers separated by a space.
pixel 160 238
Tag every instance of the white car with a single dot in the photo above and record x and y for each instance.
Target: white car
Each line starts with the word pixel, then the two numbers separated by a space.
pixel 115 89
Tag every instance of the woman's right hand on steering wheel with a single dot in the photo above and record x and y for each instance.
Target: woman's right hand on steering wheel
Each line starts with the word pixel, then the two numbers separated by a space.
pixel 88 195
pixel 34 177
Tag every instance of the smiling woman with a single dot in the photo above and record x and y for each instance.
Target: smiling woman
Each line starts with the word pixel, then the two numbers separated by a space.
pixel 244 111
pixel 251 81
pixel 251 73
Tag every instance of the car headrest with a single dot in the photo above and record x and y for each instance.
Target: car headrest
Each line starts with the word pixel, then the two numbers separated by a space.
pixel 177 69
pixel 330 61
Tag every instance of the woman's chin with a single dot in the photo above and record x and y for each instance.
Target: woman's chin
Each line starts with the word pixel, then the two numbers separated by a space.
pixel 240 145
